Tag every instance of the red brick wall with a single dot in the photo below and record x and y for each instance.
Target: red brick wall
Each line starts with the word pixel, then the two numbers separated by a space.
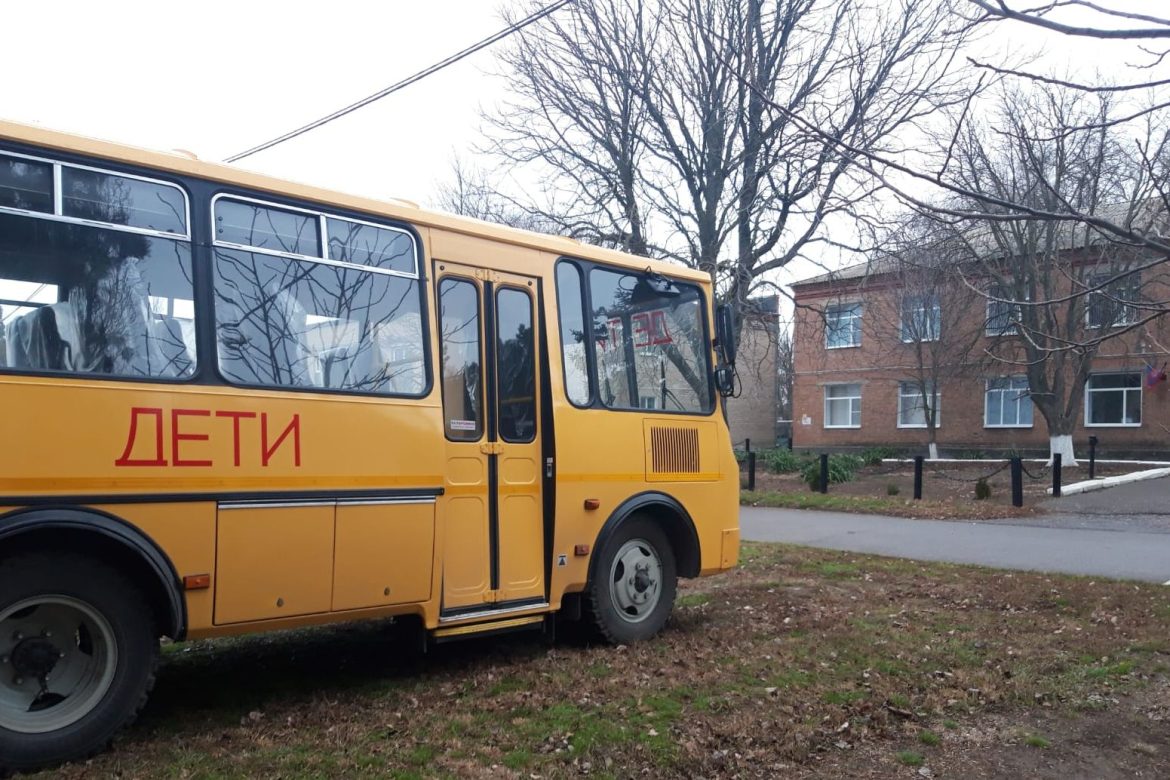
pixel 882 361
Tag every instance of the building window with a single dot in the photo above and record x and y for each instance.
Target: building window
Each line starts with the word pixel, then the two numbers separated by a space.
pixel 1110 305
pixel 1114 399
pixel 921 318
pixel 912 404
pixel 1006 403
pixel 1002 313
pixel 843 325
pixel 843 406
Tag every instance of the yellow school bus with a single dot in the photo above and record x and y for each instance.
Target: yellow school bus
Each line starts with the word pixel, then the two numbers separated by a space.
pixel 236 404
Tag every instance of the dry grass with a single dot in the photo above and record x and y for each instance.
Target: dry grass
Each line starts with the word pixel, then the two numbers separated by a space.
pixel 800 662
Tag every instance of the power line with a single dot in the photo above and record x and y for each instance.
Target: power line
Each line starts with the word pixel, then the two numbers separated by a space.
pixel 512 28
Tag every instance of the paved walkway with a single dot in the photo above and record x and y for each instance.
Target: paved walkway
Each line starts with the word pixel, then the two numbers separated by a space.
pixel 1125 554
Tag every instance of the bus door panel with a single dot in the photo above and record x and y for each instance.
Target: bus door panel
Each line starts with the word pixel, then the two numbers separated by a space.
pixel 494 532
pixel 518 488
pixel 463 507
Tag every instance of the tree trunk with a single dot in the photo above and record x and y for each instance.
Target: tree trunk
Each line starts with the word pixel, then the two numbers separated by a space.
pixel 1062 443
pixel 932 450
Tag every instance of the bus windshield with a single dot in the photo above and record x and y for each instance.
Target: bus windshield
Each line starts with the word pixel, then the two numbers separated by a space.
pixel 651 343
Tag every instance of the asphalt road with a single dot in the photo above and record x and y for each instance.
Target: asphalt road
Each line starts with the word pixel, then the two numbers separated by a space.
pixel 1100 552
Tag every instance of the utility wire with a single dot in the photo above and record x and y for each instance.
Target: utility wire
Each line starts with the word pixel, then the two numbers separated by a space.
pixel 512 28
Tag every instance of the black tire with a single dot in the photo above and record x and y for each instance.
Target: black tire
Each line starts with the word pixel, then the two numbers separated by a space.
pixel 640 540
pixel 126 675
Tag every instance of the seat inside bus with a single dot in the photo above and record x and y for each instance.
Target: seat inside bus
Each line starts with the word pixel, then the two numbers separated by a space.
pixel 71 301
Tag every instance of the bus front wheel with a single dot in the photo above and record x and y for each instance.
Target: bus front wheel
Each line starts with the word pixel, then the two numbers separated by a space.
pixel 78 652
pixel 634 580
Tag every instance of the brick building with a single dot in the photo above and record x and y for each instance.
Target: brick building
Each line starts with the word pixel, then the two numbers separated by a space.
pixel 752 414
pixel 861 378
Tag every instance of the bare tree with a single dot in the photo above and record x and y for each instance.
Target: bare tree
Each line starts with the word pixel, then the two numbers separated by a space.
pixel 786 368
pixel 1058 291
pixel 917 290
pixel 469 194
pixel 650 117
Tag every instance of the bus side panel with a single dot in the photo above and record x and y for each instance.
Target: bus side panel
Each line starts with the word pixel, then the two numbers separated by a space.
pixel 383 554
pixel 274 563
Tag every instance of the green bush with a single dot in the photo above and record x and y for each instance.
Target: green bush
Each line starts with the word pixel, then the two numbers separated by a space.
pixel 842 468
pixel 784 461
pixel 873 456
pixel 982 490
pixel 892 489
pixel 740 455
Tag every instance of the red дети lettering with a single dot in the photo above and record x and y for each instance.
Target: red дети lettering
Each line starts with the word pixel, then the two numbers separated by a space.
pixel 294 427
pixel 132 436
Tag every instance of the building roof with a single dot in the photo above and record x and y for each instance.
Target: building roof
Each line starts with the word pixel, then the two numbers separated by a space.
pixel 1149 217
pixel 405 211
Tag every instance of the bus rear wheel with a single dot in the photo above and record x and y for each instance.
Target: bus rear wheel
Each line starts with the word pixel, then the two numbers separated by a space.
pixel 77 658
pixel 632 589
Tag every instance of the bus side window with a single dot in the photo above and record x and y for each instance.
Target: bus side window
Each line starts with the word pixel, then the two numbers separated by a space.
pixel 462 365
pixel 516 366
pixel 570 310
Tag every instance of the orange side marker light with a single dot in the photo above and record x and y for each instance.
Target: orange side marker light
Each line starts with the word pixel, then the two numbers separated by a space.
pixel 197 582
pixel 592 503
pixel 581 550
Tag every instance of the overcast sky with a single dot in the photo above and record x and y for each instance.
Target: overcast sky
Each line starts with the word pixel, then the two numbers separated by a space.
pixel 218 77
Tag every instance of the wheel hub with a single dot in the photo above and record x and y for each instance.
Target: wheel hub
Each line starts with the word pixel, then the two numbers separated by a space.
pixel 34 657
pixel 642 579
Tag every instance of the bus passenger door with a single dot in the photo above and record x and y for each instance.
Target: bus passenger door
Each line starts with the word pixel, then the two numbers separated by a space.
pixel 517 478
pixel 494 531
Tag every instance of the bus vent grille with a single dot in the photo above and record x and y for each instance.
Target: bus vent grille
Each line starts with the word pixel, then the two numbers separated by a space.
pixel 674 450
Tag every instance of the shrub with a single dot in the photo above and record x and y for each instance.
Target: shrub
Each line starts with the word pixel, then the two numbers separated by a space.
pixel 873 456
pixel 982 490
pixel 892 489
pixel 740 455
pixel 784 461
pixel 842 468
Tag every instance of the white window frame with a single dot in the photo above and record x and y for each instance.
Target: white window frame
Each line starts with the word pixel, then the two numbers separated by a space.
pixel 918 308
pixel 1010 330
pixel 1141 388
pixel 853 318
pixel 851 398
pixel 1021 399
pixel 1129 314
pixel 915 394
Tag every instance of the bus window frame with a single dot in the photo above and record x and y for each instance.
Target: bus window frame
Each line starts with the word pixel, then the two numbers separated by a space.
pixel 590 382
pixel 585 267
pixel 112 168
pixel 527 292
pixel 483 350
pixel 58 198
pixel 323 212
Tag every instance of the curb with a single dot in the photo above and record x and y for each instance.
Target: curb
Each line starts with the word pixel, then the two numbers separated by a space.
pixel 1108 482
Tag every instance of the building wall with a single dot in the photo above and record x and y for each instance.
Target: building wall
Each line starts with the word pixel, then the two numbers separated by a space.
pixel 752 414
pixel 882 361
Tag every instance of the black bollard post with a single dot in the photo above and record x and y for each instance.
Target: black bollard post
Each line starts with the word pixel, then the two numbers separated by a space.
pixel 824 473
pixel 918 477
pixel 751 459
pixel 747 445
pixel 1017 482
pixel 1092 457
pixel 1056 475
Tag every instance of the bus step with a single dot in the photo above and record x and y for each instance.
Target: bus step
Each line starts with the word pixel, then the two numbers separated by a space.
pixel 455 633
